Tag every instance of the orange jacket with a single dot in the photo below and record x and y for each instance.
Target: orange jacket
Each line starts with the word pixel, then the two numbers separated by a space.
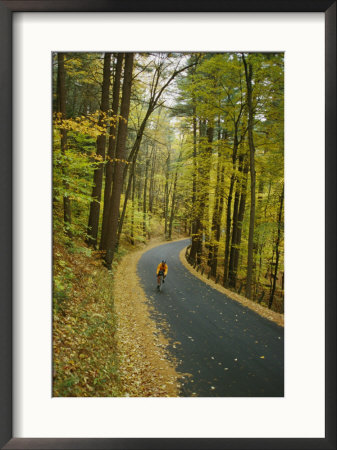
pixel 162 267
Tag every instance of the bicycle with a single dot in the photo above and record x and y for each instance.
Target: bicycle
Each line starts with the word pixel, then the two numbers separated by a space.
pixel 160 278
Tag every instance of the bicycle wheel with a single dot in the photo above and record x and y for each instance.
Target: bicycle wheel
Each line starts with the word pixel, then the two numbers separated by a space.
pixel 160 279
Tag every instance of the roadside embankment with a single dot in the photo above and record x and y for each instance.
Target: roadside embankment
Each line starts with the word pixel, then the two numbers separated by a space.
pixel 84 325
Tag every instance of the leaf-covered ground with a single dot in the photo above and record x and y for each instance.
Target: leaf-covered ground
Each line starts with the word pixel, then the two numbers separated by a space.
pixel 145 369
pixel 104 341
pixel 85 360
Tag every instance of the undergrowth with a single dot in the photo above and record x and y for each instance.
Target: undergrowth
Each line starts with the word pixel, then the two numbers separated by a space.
pixel 84 324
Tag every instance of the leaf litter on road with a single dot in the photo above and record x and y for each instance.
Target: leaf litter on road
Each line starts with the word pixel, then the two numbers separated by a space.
pixel 146 369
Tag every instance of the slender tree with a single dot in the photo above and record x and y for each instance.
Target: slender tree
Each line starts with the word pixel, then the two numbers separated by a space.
pixel 217 210
pixel 237 223
pixel 152 182
pixel 100 151
pixel 237 141
pixel 277 250
pixel 61 91
pixel 249 74
pixel 132 182
pixel 166 191
pixel 206 134
pixel 174 197
pixel 133 205
pixel 111 149
pixel 147 163
pixel 120 161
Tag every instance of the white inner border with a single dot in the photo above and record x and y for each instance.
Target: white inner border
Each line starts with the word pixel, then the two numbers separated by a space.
pixel 301 412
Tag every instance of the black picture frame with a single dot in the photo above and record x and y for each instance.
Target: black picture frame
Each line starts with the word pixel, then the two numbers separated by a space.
pixel 7 8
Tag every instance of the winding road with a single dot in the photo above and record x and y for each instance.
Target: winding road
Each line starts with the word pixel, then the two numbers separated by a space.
pixel 228 349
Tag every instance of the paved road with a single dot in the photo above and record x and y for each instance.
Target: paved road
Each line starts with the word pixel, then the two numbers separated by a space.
pixel 229 350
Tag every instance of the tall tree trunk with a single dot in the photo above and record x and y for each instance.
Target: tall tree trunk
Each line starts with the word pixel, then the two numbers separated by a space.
pixel 126 198
pixel 236 211
pixel 277 250
pixel 249 74
pixel 228 227
pixel 196 240
pixel 147 163
pixel 209 151
pixel 133 206
pixel 235 247
pixel 259 237
pixel 61 97
pixel 195 225
pixel 235 222
pixel 229 200
pixel 203 183
pixel 194 215
pixel 111 150
pixel 120 161
pixel 173 204
pixel 151 187
pixel 100 151
pixel 166 194
pixel 215 220
pixel 139 188
pixel 218 226
pixel 213 248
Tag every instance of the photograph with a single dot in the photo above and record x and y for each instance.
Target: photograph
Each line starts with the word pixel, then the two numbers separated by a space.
pixel 168 224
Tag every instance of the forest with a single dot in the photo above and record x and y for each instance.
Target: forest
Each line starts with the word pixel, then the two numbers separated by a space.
pixel 170 145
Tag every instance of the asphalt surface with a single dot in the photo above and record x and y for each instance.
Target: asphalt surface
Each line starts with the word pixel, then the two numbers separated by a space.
pixel 228 349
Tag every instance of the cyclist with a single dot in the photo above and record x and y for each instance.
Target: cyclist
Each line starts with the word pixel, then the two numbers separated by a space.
pixel 161 270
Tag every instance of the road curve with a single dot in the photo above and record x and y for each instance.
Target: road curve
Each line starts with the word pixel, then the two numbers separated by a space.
pixel 229 350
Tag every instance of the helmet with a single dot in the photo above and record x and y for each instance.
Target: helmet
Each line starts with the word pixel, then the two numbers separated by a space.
pixel 163 261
